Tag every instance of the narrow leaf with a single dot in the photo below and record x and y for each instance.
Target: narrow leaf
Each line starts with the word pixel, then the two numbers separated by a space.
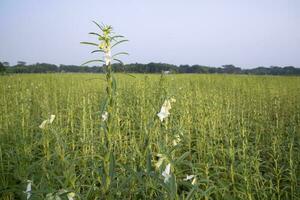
pixel 148 161
pixel 97 34
pixel 103 105
pixel 116 36
pixel 99 50
pixel 191 193
pixel 89 43
pixel 182 157
pixel 119 61
pixel 111 166
pixel 121 53
pixel 114 85
pixel 129 74
pixel 101 28
pixel 90 61
pixel 119 43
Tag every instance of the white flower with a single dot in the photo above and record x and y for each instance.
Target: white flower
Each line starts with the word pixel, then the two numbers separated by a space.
pixel 104 116
pixel 71 196
pixel 107 57
pixel 189 177
pixel 162 114
pixel 166 173
pixel 51 196
pixel 43 124
pixel 164 111
pixel 61 191
pixel 176 140
pixel 47 121
pixel 194 181
pixel 28 189
pixel 57 195
pixel 52 117
pixel 167 104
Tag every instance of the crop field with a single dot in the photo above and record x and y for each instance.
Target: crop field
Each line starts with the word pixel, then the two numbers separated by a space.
pixel 222 137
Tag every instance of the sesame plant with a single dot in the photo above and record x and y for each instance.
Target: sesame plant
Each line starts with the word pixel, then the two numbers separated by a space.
pixel 175 136
pixel 107 41
pixel 225 137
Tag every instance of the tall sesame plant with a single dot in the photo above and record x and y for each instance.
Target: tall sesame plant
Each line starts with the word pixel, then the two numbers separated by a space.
pixel 107 41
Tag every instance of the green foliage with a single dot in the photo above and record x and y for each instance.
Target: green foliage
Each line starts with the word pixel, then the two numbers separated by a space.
pixel 2 68
pixel 239 136
pixel 106 41
pixel 152 68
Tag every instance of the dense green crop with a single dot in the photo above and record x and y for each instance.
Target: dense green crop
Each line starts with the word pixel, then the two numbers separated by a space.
pixel 238 135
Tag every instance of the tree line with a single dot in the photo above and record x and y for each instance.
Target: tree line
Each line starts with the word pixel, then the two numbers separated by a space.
pixel 22 67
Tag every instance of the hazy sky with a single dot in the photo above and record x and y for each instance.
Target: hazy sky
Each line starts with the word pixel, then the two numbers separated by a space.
pixel 246 33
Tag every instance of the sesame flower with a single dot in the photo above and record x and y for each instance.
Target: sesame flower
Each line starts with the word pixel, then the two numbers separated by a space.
pixel 176 140
pixel 173 100
pixel 107 57
pixel 190 177
pixel 167 173
pixel 43 124
pixel 52 117
pixel 28 189
pixel 71 196
pixel 104 116
pixel 194 181
pixel 47 121
pixel 164 111
pixel 57 195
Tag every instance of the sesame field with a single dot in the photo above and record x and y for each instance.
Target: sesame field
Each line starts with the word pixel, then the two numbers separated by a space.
pixel 164 137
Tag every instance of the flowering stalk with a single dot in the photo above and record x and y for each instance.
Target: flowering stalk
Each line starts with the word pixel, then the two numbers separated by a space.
pixel 107 41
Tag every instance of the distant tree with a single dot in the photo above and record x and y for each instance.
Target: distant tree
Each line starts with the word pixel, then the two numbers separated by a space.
pixel 21 63
pixel 231 69
pixel 6 64
pixel 184 69
pixel 2 68
pixel 259 71
pixel 21 67
pixel 291 70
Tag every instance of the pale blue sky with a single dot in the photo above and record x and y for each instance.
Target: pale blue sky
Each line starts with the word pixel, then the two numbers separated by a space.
pixel 246 33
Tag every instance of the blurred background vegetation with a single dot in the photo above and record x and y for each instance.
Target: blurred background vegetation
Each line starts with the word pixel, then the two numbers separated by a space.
pixel 22 67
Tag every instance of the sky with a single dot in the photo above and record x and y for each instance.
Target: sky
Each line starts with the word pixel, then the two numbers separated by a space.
pixel 246 33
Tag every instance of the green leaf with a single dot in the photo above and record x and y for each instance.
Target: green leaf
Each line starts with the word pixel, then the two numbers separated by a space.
pixel 121 41
pixel 112 165
pixel 173 186
pixel 101 28
pixel 97 34
pixel 182 157
pixel 129 75
pixel 149 157
pixel 191 193
pixel 89 43
pixel 103 105
pixel 114 85
pixel 99 50
pixel 118 61
pixel 116 36
pixel 90 61
pixel 121 53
